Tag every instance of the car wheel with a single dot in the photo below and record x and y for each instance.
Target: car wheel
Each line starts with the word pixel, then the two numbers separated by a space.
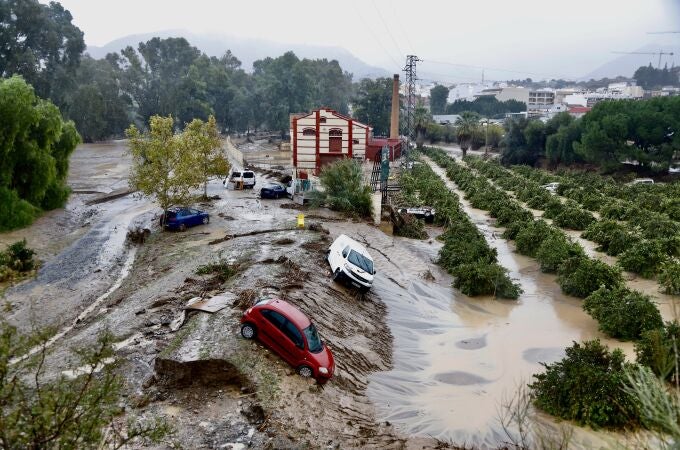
pixel 206 220
pixel 182 227
pixel 305 371
pixel 337 274
pixel 248 331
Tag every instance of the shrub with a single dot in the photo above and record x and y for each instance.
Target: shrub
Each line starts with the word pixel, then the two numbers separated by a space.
pixel 611 236
pixel 614 210
pixel 530 237
pixel 19 257
pixel 587 386
pixel 622 313
pixel 573 217
pixel 344 189
pixel 514 228
pixel 658 349
pixel 581 276
pixel 15 212
pixel 539 201
pixel 658 227
pixel 644 257
pixel 669 277
pixel 555 249
pixel 411 227
pixel 552 208
pixel 507 213
pixel 485 279
pixel 222 270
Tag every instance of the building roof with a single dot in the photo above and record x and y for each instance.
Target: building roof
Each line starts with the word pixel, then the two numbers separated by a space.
pixel 384 141
pixel 579 109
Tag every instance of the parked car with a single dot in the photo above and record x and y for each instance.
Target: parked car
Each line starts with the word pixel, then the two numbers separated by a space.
pixel 289 333
pixel 641 181
pixel 273 191
pixel 247 177
pixel 181 218
pixel 349 260
pixel 551 187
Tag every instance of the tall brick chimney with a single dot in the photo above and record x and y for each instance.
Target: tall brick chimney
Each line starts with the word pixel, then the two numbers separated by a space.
pixel 394 117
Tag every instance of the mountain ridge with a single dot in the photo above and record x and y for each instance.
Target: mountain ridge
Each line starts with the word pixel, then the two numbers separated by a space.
pixel 247 50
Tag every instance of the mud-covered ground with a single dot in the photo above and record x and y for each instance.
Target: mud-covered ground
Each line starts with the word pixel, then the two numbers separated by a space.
pixel 419 365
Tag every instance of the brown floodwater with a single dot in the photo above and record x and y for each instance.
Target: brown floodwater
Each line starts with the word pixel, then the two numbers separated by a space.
pixel 457 358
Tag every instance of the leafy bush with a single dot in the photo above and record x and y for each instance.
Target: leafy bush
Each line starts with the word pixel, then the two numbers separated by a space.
pixel 411 227
pixel 611 236
pixel 553 208
pixel 555 250
pixel 16 261
pixel 539 201
pixel 222 270
pixel 344 189
pixel 669 277
pixel 45 411
pixel 644 257
pixel 614 210
pixel 587 387
pixel 573 217
pixel 622 313
pixel 656 227
pixel 529 238
pixel 479 278
pixel 658 349
pixel 15 212
pixel 581 276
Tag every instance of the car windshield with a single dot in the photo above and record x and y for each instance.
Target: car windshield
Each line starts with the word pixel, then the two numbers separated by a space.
pixel 360 261
pixel 248 175
pixel 313 340
pixel 236 174
pixel 272 186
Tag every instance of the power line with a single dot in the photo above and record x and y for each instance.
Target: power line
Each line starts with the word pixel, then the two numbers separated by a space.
pixel 387 28
pixel 403 30
pixel 497 69
pixel 375 38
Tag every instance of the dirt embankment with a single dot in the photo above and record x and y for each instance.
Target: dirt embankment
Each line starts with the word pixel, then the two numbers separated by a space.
pixel 217 388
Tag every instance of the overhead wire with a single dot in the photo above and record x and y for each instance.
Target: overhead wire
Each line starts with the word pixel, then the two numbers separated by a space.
pixel 375 38
pixel 389 33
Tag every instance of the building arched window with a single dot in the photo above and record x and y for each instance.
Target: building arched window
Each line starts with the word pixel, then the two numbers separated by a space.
pixel 309 132
pixel 335 140
pixel 322 119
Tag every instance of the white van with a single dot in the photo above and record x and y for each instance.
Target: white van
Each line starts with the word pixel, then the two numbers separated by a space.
pixel 247 177
pixel 350 260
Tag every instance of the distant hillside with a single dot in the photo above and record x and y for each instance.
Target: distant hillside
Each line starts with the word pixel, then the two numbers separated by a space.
pixel 248 50
pixel 626 65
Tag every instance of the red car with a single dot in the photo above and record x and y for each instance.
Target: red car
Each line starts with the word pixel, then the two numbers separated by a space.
pixel 286 330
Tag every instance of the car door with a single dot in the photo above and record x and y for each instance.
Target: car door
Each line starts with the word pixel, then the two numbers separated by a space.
pixel 195 217
pixel 278 335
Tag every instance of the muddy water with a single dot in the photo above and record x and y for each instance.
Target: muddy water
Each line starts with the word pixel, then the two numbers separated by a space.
pixel 457 358
pixel 82 248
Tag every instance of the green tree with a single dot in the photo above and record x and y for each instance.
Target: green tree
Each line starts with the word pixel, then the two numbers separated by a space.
pixel 438 98
pixel 40 43
pixel 372 104
pixel 203 138
pixel 35 146
pixel 79 411
pixel 162 165
pixel 421 119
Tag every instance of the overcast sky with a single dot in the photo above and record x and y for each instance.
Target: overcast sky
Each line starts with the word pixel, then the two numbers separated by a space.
pixel 544 37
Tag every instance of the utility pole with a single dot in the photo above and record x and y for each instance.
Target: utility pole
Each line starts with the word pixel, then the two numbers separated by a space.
pixel 410 70
pixel 486 140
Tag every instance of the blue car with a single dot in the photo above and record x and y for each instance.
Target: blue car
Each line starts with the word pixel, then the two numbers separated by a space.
pixel 273 191
pixel 179 218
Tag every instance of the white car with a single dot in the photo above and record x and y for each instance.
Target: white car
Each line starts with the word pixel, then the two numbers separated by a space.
pixel 551 187
pixel 349 260
pixel 642 181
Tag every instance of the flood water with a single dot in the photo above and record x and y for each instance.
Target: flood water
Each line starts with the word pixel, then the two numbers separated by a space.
pixel 457 358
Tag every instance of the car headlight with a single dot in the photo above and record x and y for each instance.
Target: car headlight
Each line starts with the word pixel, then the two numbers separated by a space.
pixel 323 370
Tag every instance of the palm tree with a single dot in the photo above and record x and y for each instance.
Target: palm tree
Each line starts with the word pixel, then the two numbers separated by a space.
pixel 466 127
pixel 421 117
